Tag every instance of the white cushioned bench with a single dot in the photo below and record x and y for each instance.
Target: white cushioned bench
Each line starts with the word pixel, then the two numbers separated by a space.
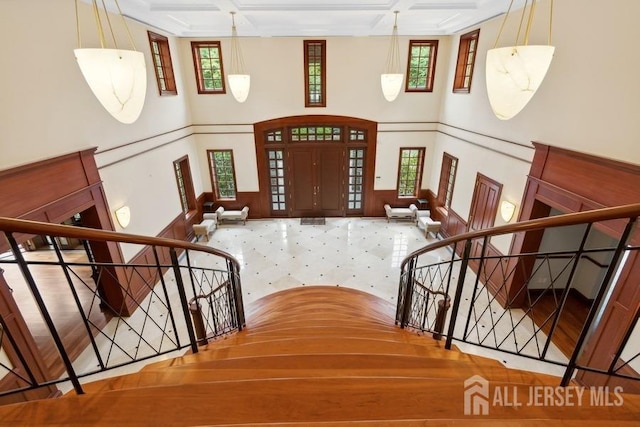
pixel 206 227
pixel 240 215
pixel 401 213
pixel 423 220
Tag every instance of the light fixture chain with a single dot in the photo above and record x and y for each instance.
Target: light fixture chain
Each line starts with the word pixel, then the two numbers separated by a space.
pixel 124 21
pixel 96 14
pixel 237 62
pixel 524 12
pixel 79 37
pixel 550 22
pixel 532 12
pixel 504 21
pixel 106 14
pixel 393 59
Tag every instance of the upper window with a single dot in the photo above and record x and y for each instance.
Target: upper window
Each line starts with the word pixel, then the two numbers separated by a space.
pixel 466 61
pixel 447 179
pixel 162 64
pixel 315 73
pixel 185 184
pixel 223 177
pixel 421 66
pixel 410 171
pixel 207 60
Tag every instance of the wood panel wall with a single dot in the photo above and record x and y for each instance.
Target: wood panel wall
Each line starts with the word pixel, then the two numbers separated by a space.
pixel 571 182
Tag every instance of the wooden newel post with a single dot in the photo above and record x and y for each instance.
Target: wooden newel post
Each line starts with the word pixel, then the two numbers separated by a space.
pixel 198 323
pixel 441 316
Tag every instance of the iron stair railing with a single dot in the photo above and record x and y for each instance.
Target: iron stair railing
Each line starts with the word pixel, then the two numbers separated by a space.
pixel 160 322
pixel 485 312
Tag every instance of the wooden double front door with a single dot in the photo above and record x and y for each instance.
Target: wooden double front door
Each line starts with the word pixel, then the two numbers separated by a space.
pixel 317 181
pixel 313 166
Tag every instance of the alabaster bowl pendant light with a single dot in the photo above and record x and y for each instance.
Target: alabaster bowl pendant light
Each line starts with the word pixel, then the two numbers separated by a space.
pixel 391 79
pixel 239 80
pixel 515 73
pixel 117 77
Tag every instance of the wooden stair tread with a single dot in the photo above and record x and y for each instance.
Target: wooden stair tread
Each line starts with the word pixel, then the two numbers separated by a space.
pixel 199 374
pixel 291 400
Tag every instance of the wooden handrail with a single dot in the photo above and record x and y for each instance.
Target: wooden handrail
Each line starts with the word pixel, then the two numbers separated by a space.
pixel 83 233
pixel 597 215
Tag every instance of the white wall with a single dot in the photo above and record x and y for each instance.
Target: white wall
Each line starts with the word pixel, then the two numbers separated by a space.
pixel 47 109
pixel 587 102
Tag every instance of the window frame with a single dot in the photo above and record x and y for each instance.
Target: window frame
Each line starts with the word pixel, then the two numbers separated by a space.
pixel 418 179
pixel 446 180
pixel 183 173
pixel 323 74
pixel 197 65
pixel 462 63
pixel 166 65
pixel 213 174
pixel 431 66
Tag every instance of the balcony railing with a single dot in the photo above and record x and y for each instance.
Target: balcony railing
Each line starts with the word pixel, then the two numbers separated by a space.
pixel 517 303
pixel 86 317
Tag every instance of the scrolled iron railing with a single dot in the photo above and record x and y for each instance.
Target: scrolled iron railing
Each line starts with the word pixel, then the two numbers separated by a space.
pixel 155 295
pixel 486 312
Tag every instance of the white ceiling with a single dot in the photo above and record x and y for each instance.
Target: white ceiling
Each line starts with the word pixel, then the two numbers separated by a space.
pixel 310 18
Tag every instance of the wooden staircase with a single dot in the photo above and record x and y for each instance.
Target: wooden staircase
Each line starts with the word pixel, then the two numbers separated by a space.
pixel 316 355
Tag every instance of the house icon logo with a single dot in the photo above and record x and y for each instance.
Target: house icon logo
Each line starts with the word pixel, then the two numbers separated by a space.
pixel 476 396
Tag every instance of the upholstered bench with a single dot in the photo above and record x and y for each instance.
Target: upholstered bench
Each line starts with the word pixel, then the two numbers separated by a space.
pixel 429 225
pixel 206 227
pixel 401 213
pixel 240 215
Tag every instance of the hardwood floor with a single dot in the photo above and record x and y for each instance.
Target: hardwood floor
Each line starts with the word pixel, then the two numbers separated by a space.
pixel 59 299
pixel 570 323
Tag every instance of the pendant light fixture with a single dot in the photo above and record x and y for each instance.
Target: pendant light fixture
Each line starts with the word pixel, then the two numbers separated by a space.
pixel 515 73
pixel 117 77
pixel 239 80
pixel 391 79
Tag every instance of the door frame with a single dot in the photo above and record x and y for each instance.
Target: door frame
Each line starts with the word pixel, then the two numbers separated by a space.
pixel 284 123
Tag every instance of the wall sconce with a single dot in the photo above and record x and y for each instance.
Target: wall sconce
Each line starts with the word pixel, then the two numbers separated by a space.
pixel 123 215
pixel 515 73
pixel 391 79
pixel 117 77
pixel 507 209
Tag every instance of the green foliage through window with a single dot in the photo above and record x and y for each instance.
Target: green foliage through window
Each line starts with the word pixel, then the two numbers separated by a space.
pixel 410 171
pixel 422 59
pixel 207 58
pixel 222 173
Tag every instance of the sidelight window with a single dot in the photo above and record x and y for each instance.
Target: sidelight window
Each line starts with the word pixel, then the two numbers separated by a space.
pixel 356 179
pixel 410 171
pixel 276 180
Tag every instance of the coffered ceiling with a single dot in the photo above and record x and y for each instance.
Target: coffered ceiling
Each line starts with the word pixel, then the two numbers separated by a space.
pixel 310 18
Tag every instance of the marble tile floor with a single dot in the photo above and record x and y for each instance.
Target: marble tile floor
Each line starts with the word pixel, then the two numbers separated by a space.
pixel 360 253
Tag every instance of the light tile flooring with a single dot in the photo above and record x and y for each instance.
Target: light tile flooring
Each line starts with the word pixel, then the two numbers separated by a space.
pixel 364 254
pixel 360 253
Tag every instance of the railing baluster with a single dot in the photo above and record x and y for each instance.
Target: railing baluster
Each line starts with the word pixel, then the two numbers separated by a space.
pixel 475 288
pixel 166 294
pixel 85 320
pixel 625 340
pixel 565 293
pixel 24 267
pixel 237 293
pixel 456 301
pixel 595 305
pixel 183 299
pixel 408 292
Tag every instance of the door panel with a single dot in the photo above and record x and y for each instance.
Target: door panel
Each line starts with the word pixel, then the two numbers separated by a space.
pixel 484 208
pixel 301 181
pixel 330 173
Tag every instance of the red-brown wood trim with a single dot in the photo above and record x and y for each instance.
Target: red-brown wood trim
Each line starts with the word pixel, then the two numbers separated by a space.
pixel 371 207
